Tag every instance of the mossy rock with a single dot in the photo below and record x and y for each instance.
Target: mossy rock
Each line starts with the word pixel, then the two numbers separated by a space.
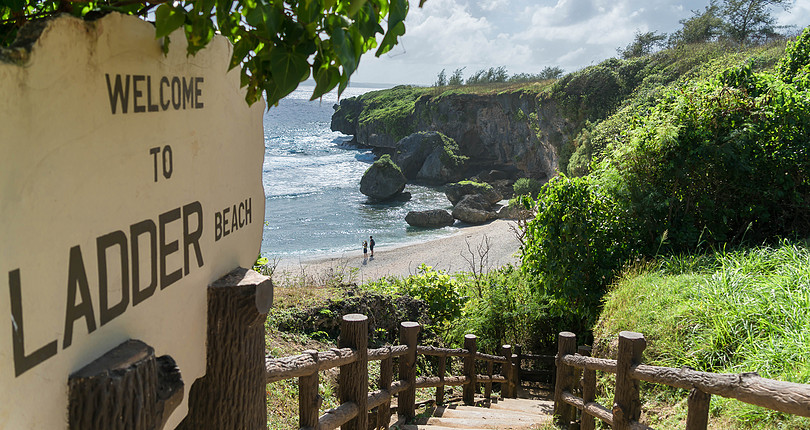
pixel 383 180
pixel 456 191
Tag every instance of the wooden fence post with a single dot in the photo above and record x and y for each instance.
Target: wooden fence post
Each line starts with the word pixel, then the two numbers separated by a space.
pixel 386 377
pixel 518 364
pixel 440 388
pixel 626 402
pixel 126 388
pixel 488 385
pixel 353 377
pixel 233 393
pixel 563 412
pixel 506 371
pixel 309 402
pixel 587 421
pixel 406 403
pixel 514 382
pixel 469 369
pixel 697 417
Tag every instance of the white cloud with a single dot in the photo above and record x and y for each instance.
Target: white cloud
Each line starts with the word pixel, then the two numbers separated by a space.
pixel 526 35
pixel 492 5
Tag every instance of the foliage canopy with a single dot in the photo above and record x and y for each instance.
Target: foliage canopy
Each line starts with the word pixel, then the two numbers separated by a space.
pixel 278 43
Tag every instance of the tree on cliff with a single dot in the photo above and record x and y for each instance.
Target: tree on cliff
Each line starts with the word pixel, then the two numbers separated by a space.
pixel 642 44
pixel 701 27
pixel 751 20
pixel 278 43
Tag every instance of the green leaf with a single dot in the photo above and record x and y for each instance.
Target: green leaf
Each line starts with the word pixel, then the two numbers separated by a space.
pixel 344 49
pixel 288 69
pixel 396 25
pixel 165 45
pixel 240 50
pixel 355 5
pixel 168 19
pixel 325 80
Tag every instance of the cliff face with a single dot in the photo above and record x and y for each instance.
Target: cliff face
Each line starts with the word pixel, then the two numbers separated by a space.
pixel 505 131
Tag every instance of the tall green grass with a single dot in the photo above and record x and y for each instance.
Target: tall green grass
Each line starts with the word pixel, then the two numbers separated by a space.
pixel 729 312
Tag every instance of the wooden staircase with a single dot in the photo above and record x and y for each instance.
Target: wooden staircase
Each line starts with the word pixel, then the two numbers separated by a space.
pixel 513 414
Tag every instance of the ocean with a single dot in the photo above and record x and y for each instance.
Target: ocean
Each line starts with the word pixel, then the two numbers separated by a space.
pixel 311 181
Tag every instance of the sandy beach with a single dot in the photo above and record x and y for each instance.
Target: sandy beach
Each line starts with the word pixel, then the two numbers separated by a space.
pixel 451 254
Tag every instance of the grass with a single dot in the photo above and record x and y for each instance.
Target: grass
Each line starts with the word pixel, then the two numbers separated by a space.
pixel 730 312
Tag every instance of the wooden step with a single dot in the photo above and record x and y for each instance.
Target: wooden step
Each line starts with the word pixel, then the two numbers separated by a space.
pixel 528 406
pixel 492 414
pixel 476 411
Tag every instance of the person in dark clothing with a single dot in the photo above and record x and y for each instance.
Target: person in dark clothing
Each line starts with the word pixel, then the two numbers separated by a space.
pixel 371 244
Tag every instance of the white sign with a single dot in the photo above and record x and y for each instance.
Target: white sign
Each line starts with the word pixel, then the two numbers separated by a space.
pixel 129 181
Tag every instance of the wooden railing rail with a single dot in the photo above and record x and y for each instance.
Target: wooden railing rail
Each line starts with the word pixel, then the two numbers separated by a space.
pixel 787 397
pixel 353 356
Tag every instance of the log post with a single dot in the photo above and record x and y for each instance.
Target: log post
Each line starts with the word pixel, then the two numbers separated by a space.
pixel 587 422
pixel 406 403
pixel 127 388
pixel 469 369
pixel 626 401
pixel 513 382
pixel 440 388
pixel 518 366
pixel 563 412
pixel 386 377
pixel 488 385
pixel 353 377
pixel 506 371
pixel 697 417
pixel 232 394
pixel 309 401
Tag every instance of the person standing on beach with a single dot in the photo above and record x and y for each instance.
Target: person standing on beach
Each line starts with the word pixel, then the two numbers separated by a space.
pixel 371 244
pixel 365 250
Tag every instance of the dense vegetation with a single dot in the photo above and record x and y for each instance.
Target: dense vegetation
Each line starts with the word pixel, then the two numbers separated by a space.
pixel 726 311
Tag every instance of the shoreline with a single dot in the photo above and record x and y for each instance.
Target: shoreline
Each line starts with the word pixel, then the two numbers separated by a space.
pixel 495 241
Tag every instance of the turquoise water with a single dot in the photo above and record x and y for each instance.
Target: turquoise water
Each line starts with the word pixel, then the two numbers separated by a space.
pixel 312 186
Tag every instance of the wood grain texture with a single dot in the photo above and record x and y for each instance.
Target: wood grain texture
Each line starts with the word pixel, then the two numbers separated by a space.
pixel 469 369
pixel 232 395
pixel 309 401
pixel 127 388
pixel 386 378
pixel 697 417
pixel 353 377
pixel 626 398
pixel 587 422
pixel 278 369
pixel 440 388
pixel 406 402
pixel 563 412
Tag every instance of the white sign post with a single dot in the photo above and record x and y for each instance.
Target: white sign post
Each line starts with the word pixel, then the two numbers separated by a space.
pixel 130 180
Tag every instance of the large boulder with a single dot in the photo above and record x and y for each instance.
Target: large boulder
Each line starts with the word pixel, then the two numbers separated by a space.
pixel 432 218
pixel 456 191
pixel 473 209
pixel 429 157
pixel 383 180
pixel 516 212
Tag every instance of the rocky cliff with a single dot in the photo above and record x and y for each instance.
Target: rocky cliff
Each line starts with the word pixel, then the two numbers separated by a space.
pixel 516 131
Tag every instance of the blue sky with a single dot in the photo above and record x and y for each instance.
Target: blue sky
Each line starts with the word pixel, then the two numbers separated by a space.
pixel 527 35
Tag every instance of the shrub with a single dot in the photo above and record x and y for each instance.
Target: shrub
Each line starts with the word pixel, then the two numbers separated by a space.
pixel 441 291
pixel 451 155
pixel 527 187
pixel 573 247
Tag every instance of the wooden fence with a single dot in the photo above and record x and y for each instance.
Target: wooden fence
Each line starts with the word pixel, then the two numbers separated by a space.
pixel 576 372
pixel 353 355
